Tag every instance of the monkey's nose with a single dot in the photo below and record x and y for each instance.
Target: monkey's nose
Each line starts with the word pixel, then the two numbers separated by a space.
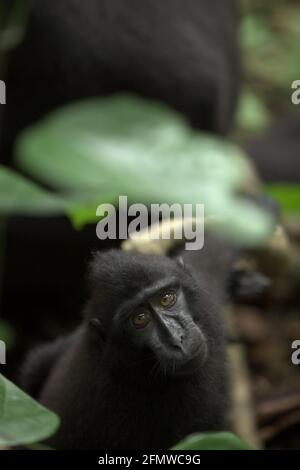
pixel 177 341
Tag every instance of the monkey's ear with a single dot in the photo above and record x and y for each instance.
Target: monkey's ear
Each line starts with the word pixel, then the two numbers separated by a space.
pixel 180 262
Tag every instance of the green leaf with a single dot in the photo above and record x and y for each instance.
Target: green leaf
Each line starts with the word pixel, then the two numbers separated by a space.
pixel 123 145
pixel 288 196
pixel 212 441
pixel 20 196
pixel 22 420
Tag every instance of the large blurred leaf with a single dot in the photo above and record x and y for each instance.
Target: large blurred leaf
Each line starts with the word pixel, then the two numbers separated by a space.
pixel 212 441
pixel 126 146
pixel 20 196
pixel 22 420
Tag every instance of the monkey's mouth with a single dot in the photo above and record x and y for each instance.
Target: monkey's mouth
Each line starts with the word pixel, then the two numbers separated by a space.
pixel 182 363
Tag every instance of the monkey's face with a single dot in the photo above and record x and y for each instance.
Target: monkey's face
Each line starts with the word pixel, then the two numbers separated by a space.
pixel 151 316
pixel 157 323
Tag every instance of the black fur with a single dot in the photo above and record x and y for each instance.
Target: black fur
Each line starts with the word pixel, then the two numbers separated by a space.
pixel 109 395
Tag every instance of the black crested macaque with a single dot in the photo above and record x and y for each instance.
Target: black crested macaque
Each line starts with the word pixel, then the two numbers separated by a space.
pixel 146 367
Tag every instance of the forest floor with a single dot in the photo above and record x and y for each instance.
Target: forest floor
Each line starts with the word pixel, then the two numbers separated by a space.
pixel 265 333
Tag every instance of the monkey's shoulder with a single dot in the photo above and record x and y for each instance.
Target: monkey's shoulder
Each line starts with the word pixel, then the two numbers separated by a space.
pixel 39 363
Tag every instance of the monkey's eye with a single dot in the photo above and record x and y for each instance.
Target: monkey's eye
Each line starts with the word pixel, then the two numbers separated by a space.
pixel 168 299
pixel 141 319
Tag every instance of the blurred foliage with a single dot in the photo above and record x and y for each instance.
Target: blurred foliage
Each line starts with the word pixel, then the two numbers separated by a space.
pixel 270 37
pixel 212 441
pixel 21 196
pixel 22 419
pixel 252 115
pixel 98 149
pixel 288 196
